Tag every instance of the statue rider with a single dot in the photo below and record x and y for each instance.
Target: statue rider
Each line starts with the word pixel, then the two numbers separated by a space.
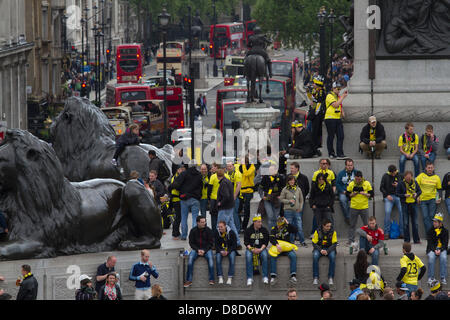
pixel 258 43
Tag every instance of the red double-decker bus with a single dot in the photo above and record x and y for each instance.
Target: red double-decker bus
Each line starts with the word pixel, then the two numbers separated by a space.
pixel 130 63
pixel 120 93
pixel 249 29
pixel 229 39
pixel 286 68
pixel 175 111
pixel 238 93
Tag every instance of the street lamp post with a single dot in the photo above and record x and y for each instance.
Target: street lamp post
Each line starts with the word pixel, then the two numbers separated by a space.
pixel 331 19
pixel 164 18
pixel 215 70
pixel 321 17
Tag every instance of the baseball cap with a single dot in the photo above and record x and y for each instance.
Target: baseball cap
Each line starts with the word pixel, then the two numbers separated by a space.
pixel 355 282
pixel 84 277
pixel 402 286
pixel 324 287
pixel 438 217
pixel 372 119
pixel 337 85
pixel 435 285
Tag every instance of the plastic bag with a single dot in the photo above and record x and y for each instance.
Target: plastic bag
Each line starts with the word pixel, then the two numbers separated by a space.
pixel 395 230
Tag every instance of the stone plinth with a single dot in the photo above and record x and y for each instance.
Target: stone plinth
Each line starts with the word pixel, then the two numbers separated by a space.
pixel 403 90
pixel 256 115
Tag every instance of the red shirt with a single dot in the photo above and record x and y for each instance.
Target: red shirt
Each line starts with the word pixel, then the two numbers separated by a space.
pixel 377 234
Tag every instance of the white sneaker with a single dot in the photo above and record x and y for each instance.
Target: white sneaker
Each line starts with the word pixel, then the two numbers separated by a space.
pixel 249 282
pixel 220 280
pixel 315 281
pixel 293 279
pixel 273 280
pixel 430 281
pixel 229 281
pixel 114 162
pixel 330 281
pixel 266 280
pixel 443 281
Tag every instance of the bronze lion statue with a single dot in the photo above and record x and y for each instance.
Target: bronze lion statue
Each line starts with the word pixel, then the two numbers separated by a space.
pixel 49 215
pixel 84 141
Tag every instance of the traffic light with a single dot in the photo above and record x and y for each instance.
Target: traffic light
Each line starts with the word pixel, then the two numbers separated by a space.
pixel 203 48
pixel 83 92
pixel 185 82
pixel 108 53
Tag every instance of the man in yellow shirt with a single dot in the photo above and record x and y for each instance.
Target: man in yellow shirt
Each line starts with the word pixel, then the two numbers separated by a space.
pixel 213 187
pixel 408 144
pixel 205 182
pixel 175 204
pixel 359 191
pixel 333 121
pixel 431 196
pixel 412 269
pixel 248 172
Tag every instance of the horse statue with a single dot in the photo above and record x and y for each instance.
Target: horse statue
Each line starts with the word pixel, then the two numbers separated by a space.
pixel 256 65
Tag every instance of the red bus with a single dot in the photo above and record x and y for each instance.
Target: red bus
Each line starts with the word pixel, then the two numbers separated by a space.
pixel 130 63
pixel 286 68
pixel 237 93
pixel 225 115
pixel 175 111
pixel 249 29
pixel 120 93
pixel 280 97
pixel 229 38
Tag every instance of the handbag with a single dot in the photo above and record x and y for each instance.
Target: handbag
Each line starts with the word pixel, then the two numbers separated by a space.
pixel 395 230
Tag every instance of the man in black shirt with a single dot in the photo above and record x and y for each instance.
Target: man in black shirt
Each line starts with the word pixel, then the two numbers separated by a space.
pixel 282 232
pixel 256 239
pixel 102 272
pixel 388 188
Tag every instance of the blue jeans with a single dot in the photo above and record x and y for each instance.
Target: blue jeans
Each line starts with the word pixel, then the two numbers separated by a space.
pixel 227 216
pixel 331 256
pixel 193 255
pixel 411 288
pixel 292 263
pixel 364 244
pixel 191 205
pixel 415 160
pixel 432 257
pixel 410 210
pixel 428 208
pixel 232 258
pixel 264 257
pixel 203 206
pixel 345 205
pixel 388 206
pixel 423 160
pixel 295 218
pixel 237 220
pixel 448 152
pixel 272 214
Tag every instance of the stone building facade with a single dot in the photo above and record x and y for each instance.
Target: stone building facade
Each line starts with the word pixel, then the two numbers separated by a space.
pixel 14 50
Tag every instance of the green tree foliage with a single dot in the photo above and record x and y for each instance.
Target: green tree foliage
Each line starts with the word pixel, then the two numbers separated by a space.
pixel 295 21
